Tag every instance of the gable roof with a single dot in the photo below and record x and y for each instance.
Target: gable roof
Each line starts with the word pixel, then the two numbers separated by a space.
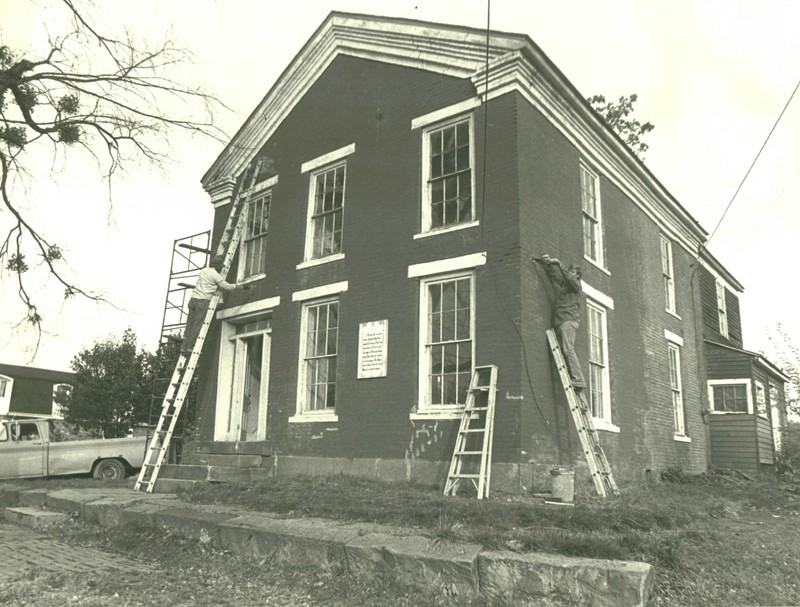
pixel 514 62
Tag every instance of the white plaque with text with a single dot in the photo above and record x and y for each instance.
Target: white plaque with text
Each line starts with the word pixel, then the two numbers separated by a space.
pixel 373 339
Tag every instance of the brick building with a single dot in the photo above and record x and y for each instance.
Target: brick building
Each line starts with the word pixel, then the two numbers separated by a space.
pixel 417 169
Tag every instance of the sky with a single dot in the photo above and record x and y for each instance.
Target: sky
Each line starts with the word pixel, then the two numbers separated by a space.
pixel 713 76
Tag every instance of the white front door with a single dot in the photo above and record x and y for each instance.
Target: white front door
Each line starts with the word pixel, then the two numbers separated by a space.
pixel 244 383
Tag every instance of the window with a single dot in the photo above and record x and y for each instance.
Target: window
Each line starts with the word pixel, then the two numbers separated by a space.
pixel 447 175
pixel 730 396
pixel 676 388
pixel 61 394
pixel 319 347
pixel 254 241
pixel 599 396
pixel 446 359
pixel 667 271
pixel 722 310
pixel 6 386
pixel 327 212
pixel 776 406
pixel 761 400
pixel 3 433
pixel 592 227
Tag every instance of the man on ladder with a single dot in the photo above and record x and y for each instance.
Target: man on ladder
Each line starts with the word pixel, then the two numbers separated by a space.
pixel 567 285
pixel 208 281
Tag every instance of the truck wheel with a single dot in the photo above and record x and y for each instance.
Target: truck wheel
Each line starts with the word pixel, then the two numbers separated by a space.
pixel 109 470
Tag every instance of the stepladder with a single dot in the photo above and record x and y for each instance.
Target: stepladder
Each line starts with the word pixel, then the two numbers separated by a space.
pixel 602 476
pixel 471 465
pixel 186 365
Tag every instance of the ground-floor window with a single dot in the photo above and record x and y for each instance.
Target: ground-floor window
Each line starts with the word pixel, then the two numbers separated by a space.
pixel 447 344
pixel 319 350
pixel 730 396
pixel 599 395
pixel 676 388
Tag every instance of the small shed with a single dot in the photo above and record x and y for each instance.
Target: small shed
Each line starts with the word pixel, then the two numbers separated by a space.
pixel 30 390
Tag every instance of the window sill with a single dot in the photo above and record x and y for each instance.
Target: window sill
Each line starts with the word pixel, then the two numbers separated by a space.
pixel 596 265
pixel 436 414
pixel 731 413
pixel 311 418
pixel 680 438
pixel 602 424
pixel 250 279
pixel 673 314
pixel 310 263
pixel 437 231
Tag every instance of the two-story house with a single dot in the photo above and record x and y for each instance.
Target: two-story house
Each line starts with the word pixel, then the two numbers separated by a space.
pixel 418 167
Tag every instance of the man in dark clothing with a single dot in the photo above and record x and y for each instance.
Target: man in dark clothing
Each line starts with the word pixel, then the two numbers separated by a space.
pixel 567 285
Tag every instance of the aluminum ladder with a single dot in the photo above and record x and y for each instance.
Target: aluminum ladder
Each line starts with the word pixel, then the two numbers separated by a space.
pixel 186 365
pixel 602 476
pixel 472 455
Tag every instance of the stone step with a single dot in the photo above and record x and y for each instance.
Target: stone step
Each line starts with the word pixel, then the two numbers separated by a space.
pixel 217 474
pixel 228 460
pixel 35 518
pixel 234 448
pixel 173 485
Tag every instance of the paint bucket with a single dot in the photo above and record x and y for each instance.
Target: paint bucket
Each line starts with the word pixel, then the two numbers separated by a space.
pixel 563 484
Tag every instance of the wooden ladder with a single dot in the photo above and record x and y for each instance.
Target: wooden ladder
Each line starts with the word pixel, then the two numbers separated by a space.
pixel 472 456
pixel 598 464
pixel 185 367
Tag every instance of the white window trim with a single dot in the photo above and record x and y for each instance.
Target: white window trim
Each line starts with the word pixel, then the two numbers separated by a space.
pixel 423 410
pixel 5 401
pixel 598 296
pixel 452 264
pixel 260 189
pixel 678 373
pixel 756 385
pixel 676 339
pixel 666 241
pixel 681 438
pixel 321 164
pixel 425 225
pixel 254 307
pixel 605 425
pixel 725 382
pixel 329 158
pixel 722 312
pixel 333 288
pixel 601 261
pixel 301 416
pixel 603 421
pixel 445 113
pixel 436 232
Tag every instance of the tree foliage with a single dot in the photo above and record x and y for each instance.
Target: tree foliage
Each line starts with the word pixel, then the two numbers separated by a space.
pixel 116 99
pixel 618 115
pixel 113 385
pixel 787 356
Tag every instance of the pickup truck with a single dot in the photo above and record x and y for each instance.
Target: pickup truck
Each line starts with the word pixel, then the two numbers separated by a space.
pixel 29 448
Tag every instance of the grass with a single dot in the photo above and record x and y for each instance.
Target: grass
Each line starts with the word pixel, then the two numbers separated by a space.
pixel 716 539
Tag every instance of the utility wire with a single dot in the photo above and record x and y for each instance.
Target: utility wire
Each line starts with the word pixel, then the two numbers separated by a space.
pixel 763 145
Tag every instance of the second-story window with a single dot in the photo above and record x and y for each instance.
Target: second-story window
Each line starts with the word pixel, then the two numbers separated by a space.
pixel 722 310
pixel 254 242
pixel 592 225
pixel 448 176
pixel 327 212
pixel 668 272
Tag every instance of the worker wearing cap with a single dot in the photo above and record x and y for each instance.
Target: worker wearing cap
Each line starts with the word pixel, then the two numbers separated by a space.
pixel 208 282
pixel 567 285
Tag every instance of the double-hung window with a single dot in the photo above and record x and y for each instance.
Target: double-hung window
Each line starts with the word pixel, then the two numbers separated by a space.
pixel 668 273
pixel 254 241
pixel 761 400
pixel 319 351
pixel 599 395
pixel 722 310
pixel 676 388
pixel 448 340
pixel 592 217
pixel 448 175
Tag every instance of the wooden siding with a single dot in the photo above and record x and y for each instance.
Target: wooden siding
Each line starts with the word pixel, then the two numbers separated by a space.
pixel 724 363
pixel 708 297
pixel 733 442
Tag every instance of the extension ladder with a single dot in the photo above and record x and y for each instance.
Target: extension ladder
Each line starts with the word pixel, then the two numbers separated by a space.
pixel 598 464
pixel 185 367
pixel 472 456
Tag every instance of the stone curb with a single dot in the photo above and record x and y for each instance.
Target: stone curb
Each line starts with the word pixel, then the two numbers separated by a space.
pixel 363 549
